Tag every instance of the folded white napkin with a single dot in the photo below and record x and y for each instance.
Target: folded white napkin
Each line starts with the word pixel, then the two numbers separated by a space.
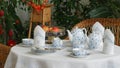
pixel 39 37
pixel 108 47
pixel 97 27
pixel 108 35
pixel 109 39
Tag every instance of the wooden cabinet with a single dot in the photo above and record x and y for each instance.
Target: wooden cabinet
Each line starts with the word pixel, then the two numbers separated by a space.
pixel 44 17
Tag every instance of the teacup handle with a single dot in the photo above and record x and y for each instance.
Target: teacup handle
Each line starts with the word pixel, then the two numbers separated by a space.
pixel 84 30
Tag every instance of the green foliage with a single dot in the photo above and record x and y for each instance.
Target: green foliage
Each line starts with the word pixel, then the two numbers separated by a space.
pixel 104 9
pixel 11 26
pixel 66 12
pixel 69 12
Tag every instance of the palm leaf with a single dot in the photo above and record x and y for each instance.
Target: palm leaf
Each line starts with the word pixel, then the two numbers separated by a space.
pixel 99 12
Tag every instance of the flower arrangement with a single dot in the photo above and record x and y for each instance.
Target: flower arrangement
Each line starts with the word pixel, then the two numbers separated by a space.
pixel 38 5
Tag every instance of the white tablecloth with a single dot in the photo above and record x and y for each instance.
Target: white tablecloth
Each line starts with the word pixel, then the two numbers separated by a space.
pixel 22 57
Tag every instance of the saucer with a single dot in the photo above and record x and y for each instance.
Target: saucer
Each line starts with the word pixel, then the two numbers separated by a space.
pixel 82 56
pixel 45 50
pixel 24 45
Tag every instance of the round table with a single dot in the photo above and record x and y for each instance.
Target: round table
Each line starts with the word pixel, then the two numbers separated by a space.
pixel 22 57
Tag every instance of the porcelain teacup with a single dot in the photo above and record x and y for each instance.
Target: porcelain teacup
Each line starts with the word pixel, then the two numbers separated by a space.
pixel 79 52
pixel 27 41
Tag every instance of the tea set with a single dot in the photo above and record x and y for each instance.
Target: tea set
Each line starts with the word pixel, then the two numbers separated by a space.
pixel 82 43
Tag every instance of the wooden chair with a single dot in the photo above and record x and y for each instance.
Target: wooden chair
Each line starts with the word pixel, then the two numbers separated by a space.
pixel 111 23
pixel 4 51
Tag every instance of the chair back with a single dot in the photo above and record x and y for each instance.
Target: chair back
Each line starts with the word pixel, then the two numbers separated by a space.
pixel 4 51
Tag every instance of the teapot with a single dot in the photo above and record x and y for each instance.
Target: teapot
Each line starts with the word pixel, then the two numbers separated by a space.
pixel 78 37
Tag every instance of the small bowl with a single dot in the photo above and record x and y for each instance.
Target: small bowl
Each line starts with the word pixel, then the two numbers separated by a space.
pixel 27 41
pixel 79 52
